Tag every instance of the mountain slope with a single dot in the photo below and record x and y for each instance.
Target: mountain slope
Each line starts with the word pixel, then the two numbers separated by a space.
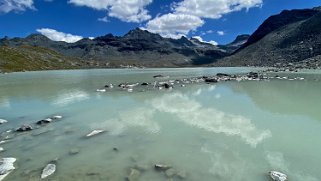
pixel 293 42
pixel 138 47
pixel 26 58
pixel 275 22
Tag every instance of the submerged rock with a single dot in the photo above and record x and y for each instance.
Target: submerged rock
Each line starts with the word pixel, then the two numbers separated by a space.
pixel 223 75
pixel 2 121
pixel 101 90
pixel 44 121
pixel 133 175
pixel 24 128
pixel 253 75
pixel 56 117
pixel 6 166
pixel 109 86
pixel 278 176
pixel 48 170
pixel 170 172
pixel 162 167
pixel 210 80
pixel 73 151
pixel 160 76
pixel 181 174
pixel 95 132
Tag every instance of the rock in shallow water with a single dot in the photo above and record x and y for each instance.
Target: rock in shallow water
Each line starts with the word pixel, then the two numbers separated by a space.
pixel 162 167
pixel 277 176
pixel 44 121
pixel 170 172
pixel 56 117
pixel 95 132
pixel 24 128
pixel 2 121
pixel 6 166
pixel 133 175
pixel 48 170
pixel 73 151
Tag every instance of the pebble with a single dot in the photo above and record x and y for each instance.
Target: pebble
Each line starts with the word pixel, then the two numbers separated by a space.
pixel 95 132
pixel 48 170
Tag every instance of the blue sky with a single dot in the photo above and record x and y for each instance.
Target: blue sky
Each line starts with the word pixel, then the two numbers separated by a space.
pixel 217 20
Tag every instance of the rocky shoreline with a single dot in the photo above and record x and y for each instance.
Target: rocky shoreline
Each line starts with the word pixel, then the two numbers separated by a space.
pixel 164 82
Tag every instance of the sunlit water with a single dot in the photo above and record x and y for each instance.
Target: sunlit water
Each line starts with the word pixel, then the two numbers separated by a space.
pixel 227 131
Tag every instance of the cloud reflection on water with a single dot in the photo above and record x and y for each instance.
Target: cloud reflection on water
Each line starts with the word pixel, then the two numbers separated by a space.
pixel 194 114
pixel 70 97
pixel 137 117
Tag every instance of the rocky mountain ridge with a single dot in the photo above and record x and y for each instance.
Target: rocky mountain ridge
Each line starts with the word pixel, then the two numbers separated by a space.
pixel 292 37
pixel 138 48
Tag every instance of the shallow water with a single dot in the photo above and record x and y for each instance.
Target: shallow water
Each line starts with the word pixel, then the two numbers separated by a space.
pixel 227 131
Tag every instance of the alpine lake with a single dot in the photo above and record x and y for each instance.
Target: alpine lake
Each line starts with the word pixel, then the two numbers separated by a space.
pixel 224 131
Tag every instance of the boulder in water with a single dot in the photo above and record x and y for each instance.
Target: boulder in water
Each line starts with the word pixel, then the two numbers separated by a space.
pixel 6 166
pixel 2 121
pixel 24 128
pixel 95 132
pixel 278 176
pixel 162 167
pixel 44 121
pixel 48 170
pixel 210 80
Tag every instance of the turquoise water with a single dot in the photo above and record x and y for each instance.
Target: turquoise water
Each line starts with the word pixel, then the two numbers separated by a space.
pixel 226 131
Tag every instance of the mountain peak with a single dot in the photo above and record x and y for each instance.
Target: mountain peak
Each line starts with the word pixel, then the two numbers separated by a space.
pixel 37 37
pixel 138 33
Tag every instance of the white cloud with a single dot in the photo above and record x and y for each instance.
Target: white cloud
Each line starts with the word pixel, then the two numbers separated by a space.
pixel 59 36
pixel 103 19
pixel 221 33
pixel 174 25
pixel 125 10
pixel 199 10
pixel 214 9
pixel 201 40
pixel 7 6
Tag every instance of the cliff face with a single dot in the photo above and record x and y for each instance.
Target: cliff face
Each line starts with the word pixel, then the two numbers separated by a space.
pixel 290 37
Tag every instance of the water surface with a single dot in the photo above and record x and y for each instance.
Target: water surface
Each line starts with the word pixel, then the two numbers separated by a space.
pixel 226 131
